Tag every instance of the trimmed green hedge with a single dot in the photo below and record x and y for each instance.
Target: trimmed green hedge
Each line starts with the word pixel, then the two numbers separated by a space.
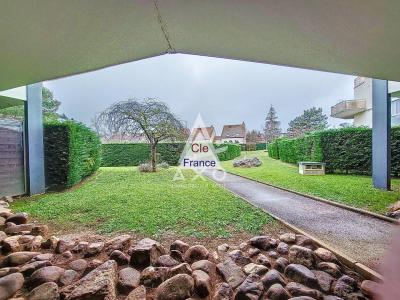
pixel 133 154
pixel 72 152
pixel 232 151
pixel 347 150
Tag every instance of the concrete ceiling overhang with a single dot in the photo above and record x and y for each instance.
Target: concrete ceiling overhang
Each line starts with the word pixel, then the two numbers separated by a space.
pixel 47 39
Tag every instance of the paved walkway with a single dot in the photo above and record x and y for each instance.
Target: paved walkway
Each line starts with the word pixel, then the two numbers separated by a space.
pixel 360 237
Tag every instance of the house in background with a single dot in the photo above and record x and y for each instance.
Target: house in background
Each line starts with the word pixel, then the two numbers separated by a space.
pixel 203 134
pixel 360 108
pixel 234 134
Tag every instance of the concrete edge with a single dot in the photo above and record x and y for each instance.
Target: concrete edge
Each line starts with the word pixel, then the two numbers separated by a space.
pixel 341 205
pixel 362 269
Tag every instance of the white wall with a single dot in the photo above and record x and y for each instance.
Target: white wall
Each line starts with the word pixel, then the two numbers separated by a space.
pixel 17 93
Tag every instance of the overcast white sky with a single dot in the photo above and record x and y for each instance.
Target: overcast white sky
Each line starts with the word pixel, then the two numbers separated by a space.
pixel 223 91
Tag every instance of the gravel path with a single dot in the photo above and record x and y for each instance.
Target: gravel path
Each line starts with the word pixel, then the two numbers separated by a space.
pixel 360 237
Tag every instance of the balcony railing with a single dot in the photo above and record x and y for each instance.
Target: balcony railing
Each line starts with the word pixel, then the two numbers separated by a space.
pixel 348 108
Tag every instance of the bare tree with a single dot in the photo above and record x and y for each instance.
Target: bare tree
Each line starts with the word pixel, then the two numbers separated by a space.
pixel 149 118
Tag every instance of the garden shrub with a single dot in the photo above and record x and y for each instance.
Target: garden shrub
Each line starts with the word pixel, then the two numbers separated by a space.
pixel 134 154
pixel 72 152
pixel 232 151
pixel 261 146
pixel 272 149
pixel 346 150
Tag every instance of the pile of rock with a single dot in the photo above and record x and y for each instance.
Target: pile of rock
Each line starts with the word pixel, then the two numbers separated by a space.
pixel 394 211
pixel 292 267
pixel 247 162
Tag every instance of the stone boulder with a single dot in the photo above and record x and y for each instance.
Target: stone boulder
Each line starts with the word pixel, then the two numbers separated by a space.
pixel 204 265
pixel 223 291
pixel 231 273
pixel 288 238
pixel 301 274
pixel 128 279
pixel 263 242
pixel 195 253
pixel 153 276
pixel 18 218
pixel 183 268
pixel 120 257
pixel 179 287
pixel 78 265
pixel 46 274
pixel 10 284
pixel 99 284
pixel 251 288
pixel 277 292
pixel 325 255
pixel 46 291
pixel 202 283
pixel 247 162
pixel 120 242
pixel 145 253
pixel 18 258
pixel 301 255
pixel 344 286
pixel 297 290
pixel 137 294
pixel 180 246
pixel 272 277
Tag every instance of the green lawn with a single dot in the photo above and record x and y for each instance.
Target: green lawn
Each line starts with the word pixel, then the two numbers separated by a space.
pixel 122 200
pixel 352 190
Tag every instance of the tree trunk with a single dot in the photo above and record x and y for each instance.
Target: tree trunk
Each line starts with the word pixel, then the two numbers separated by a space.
pixel 153 157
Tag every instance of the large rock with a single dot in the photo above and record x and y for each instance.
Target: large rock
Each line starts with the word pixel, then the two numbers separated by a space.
pixel 272 277
pixel 204 265
pixel 330 268
pixel 68 277
pixel 344 286
pixel 120 257
pixel 297 290
pixel 10 284
pixel 145 253
pixel 46 274
pixel 326 255
pixel 263 260
pixel 8 271
pixel 29 268
pixel 182 247
pixel 251 288
pixel 19 229
pixel 42 230
pixel 99 284
pixel 305 241
pixel 277 292
pixel 263 242
pixel 137 294
pixel 94 248
pixel 324 280
pixel 280 264
pixel 231 273
pixel 64 245
pixel 179 269
pixel 78 265
pixel 255 268
pixel 370 288
pixel 301 274
pixel 202 283
pixel 128 279
pixel 195 253
pixel 282 248
pixel 153 276
pixel 18 258
pixel 166 261
pixel 120 242
pixel 11 244
pixel 288 238
pixel 239 257
pixel 247 162
pixel 46 291
pixel 301 255
pixel 17 219
pixel 179 287
pixel 223 291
